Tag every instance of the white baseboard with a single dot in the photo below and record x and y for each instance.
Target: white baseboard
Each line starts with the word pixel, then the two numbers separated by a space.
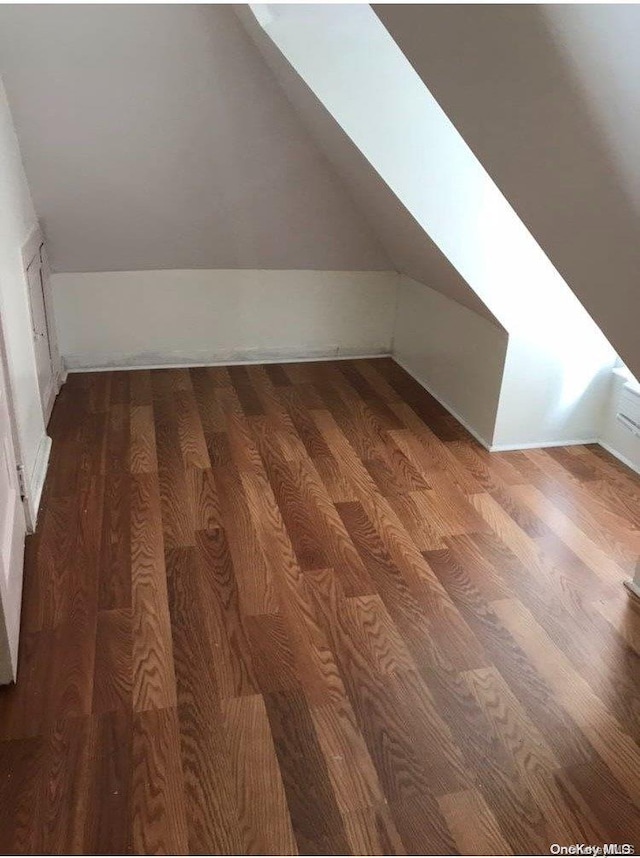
pixel 76 363
pixel 498 448
pixel 36 483
pixel 52 392
pixel 633 587
pixel 536 445
pixel 80 363
pixel 444 404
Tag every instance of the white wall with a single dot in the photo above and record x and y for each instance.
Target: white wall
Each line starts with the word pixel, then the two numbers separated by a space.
pixel 154 136
pixel 547 399
pixel 359 73
pixel 455 353
pixel 510 392
pixel 547 96
pixel 17 219
pixel 409 247
pixel 145 318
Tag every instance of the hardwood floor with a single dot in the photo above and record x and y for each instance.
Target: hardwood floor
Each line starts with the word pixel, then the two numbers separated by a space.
pixel 297 608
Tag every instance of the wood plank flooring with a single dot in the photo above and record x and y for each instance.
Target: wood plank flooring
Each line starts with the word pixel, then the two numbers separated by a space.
pixel 298 609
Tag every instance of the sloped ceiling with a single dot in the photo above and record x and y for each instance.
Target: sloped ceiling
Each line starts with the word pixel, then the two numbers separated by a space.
pixel 548 98
pixel 154 136
pixel 405 241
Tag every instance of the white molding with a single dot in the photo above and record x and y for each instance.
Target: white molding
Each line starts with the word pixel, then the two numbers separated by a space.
pixel 633 587
pixel 75 363
pixel 496 448
pixel 625 461
pixel 51 394
pixel 444 404
pixel 36 482
pixel 537 445
pixel 32 246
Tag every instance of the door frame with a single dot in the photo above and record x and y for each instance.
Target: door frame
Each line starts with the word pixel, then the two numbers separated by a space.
pixel 31 484
pixel 34 247
pixel 29 509
pixel 21 526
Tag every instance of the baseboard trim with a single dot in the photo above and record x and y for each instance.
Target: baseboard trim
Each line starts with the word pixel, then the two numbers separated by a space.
pixel 625 461
pixel 74 364
pixel 38 476
pixel 444 404
pixel 537 445
pixel 52 392
pixel 497 448
pixel 633 587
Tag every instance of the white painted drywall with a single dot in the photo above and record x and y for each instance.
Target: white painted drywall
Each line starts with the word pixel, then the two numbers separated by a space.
pixel 17 220
pixel 349 60
pixel 510 392
pixel 358 72
pixel 548 399
pixel 154 136
pixel 407 244
pixel 548 97
pixel 455 353
pixel 144 318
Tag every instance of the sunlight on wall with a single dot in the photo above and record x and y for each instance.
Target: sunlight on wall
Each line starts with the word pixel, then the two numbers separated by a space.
pixel 347 57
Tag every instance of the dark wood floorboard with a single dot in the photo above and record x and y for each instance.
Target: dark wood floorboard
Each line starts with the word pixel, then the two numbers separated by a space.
pixel 297 609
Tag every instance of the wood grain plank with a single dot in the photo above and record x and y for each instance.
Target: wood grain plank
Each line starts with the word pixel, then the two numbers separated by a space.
pixel 616 748
pixel 289 494
pixel 193 444
pixel 612 813
pixel 108 825
pixel 142 451
pixel 272 653
pixel 280 609
pixel 249 532
pixel 21 763
pixel 153 674
pixel 204 500
pixel 315 662
pixel 353 776
pixel 318 828
pixel 157 800
pixel 595 557
pixel 260 796
pixel 140 386
pixel 225 620
pixel 65 798
pixel 211 814
pixel 372 831
pixel 533 758
pixel 114 575
pixel 113 673
pixel 472 824
pixel 512 660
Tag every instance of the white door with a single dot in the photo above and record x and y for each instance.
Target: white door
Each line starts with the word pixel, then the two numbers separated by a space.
pixel 12 533
pixel 41 335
